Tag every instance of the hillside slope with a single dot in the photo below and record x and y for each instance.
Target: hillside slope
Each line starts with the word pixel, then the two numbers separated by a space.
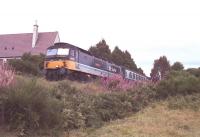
pixel 154 121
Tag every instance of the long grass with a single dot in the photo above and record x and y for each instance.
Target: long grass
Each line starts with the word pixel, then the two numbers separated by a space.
pixel 157 120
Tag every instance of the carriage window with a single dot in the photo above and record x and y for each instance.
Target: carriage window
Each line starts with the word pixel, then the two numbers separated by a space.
pixel 133 75
pixel 130 75
pixel 125 74
pixel 113 69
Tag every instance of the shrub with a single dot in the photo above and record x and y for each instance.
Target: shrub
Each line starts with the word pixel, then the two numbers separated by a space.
pixel 111 106
pixel 28 64
pixel 30 106
pixel 78 107
pixel 142 96
pixel 82 109
pixel 178 83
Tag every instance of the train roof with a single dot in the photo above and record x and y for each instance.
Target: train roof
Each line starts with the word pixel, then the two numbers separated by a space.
pixel 67 45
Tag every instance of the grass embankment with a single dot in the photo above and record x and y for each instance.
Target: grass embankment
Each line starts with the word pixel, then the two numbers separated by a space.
pixel 157 120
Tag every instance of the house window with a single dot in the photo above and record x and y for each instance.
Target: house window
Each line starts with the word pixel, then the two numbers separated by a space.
pixel 5 48
pixel 13 48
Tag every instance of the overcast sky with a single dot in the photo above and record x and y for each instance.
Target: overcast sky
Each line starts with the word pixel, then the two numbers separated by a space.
pixel 148 29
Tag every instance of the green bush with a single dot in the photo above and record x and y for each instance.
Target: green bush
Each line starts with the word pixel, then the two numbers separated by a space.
pixel 92 110
pixel 112 106
pixel 28 64
pixel 178 83
pixel 78 107
pixel 30 106
pixel 142 96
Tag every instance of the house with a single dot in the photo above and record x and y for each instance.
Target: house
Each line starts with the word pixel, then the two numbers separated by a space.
pixel 13 46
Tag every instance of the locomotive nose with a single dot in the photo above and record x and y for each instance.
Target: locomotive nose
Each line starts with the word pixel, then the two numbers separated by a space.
pixel 54 64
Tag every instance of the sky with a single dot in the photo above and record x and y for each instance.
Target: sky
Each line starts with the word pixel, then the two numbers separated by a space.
pixel 147 29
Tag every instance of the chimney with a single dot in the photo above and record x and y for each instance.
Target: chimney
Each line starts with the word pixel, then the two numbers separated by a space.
pixel 35 34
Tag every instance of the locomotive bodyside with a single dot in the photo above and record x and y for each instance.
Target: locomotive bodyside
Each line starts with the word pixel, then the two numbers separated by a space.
pixel 63 59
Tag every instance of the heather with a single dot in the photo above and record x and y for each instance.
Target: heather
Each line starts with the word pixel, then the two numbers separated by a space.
pixel 117 83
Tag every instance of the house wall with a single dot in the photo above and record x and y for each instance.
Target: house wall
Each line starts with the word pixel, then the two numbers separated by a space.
pixel 3 60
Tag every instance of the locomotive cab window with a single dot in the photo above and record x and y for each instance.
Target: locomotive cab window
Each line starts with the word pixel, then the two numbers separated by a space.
pixel 51 52
pixel 59 51
pixel 63 51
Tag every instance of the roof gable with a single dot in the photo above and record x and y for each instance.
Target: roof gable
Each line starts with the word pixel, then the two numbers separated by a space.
pixel 15 45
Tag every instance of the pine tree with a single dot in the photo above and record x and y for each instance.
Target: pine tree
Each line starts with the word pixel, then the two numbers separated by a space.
pixel 129 62
pixel 101 50
pixel 117 56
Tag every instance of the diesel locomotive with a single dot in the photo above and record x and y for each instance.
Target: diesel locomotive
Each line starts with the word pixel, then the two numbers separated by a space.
pixel 66 60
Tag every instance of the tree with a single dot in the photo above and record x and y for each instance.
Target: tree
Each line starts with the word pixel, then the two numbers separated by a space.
pixel 177 66
pixel 123 59
pixel 160 68
pixel 117 56
pixel 129 62
pixel 139 70
pixel 101 50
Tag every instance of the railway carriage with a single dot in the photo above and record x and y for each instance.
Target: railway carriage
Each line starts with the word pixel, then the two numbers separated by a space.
pixel 63 59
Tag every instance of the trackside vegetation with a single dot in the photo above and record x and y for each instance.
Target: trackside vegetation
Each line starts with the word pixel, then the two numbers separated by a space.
pixel 28 64
pixel 34 104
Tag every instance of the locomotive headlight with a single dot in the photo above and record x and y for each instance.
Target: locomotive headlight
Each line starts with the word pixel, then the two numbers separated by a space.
pixel 56 66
